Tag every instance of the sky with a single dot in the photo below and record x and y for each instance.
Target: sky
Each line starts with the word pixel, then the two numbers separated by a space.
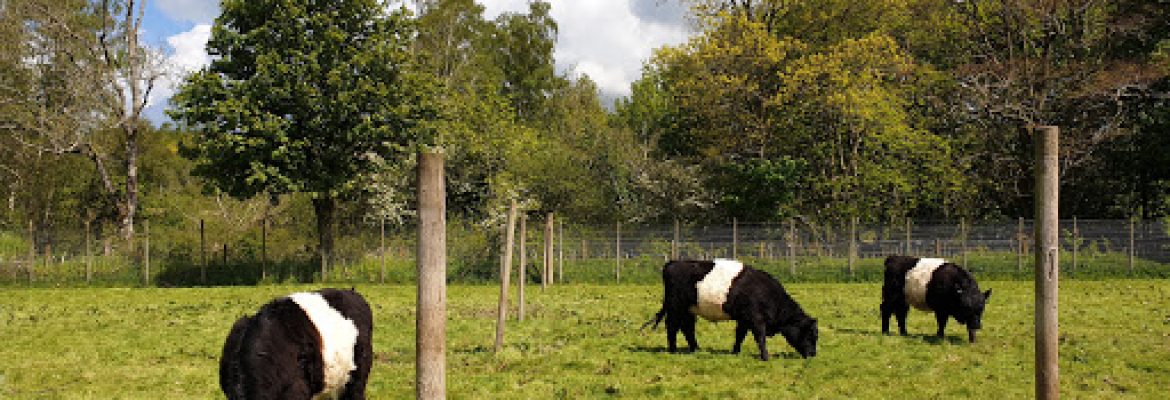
pixel 608 40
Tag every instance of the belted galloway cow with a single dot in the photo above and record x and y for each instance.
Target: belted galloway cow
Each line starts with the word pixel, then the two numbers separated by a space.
pixel 313 345
pixel 722 290
pixel 935 285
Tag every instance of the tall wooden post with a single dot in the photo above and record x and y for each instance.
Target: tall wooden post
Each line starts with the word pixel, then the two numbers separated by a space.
pixel 618 253
pixel 522 269
pixel 146 253
pixel 1076 239
pixel 674 245
pixel 88 255
pixel 431 323
pixel 1131 244
pixel 32 252
pixel 1020 246
pixel 963 231
pixel 561 251
pixel 382 251
pixel 1047 271
pixel 908 245
pixel 202 254
pixel 852 246
pixel 792 247
pixel 547 271
pixel 505 272
pixel 734 239
pixel 264 245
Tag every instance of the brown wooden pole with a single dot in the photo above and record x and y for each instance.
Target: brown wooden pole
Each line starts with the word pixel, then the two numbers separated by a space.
pixel 431 322
pixel 734 238
pixel 522 268
pixel 852 246
pixel 1020 246
pixel 1047 271
pixel 382 251
pixel 546 275
pixel 146 253
pixel 674 246
pixel 505 273
pixel 618 253
pixel 32 253
pixel 561 251
pixel 909 249
pixel 792 247
pixel 1131 244
pixel 264 245
pixel 202 254
pixel 1076 239
pixel 88 254
pixel 963 231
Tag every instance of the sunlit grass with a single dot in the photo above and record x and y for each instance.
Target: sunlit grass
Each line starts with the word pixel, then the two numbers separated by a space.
pixel 582 341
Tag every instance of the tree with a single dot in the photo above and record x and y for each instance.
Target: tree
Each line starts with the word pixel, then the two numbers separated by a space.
pixel 75 83
pixel 304 96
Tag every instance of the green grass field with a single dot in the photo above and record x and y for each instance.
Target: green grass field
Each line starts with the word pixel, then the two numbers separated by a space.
pixel 582 341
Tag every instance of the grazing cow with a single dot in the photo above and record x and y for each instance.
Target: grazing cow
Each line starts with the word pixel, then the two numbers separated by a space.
pixel 931 284
pixel 313 345
pixel 723 290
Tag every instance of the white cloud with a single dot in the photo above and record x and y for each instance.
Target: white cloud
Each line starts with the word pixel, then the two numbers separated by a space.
pixel 605 39
pixel 194 11
pixel 187 54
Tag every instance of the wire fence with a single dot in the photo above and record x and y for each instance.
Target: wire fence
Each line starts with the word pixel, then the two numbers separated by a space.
pixel 795 250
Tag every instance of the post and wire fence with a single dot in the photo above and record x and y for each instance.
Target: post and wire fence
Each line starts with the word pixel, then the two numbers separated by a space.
pixel 366 252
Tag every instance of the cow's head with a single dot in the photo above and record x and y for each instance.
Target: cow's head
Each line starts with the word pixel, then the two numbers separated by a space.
pixel 970 312
pixel 803 337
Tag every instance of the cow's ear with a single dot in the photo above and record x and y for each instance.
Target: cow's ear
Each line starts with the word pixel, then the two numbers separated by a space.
pixel 987 295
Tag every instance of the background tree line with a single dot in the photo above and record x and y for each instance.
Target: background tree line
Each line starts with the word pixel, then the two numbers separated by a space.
pixel 310 113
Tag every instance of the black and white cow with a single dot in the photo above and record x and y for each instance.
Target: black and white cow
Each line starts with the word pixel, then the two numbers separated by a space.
pixel 723 290
pixel 313 345
pixel 931 284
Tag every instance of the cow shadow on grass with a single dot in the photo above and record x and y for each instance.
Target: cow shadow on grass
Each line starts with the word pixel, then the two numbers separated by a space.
pixel 788 355
pixel 927 338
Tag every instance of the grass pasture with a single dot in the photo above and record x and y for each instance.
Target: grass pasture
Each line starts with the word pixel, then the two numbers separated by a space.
pixel 582 341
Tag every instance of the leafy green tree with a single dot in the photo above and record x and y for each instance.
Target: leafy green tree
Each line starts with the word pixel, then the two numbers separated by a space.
pixel 304 96
pixel 74 80
pixel 525 45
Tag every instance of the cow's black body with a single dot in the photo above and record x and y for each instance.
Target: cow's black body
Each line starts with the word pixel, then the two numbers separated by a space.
pixel 951 292
pixel 755 300
pixel 276 354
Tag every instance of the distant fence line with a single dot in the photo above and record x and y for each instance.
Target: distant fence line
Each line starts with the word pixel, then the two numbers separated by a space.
pixel 476 251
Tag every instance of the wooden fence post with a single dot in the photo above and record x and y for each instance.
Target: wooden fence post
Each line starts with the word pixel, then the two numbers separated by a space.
pixel 32 252
pixel 792 247
pixel 522 268
pixel 675 244
pixel 431 323
pixel 963 231
pixel 88 254
pixel 1131 244
pixel 382 251
pixel 505 272
pixel 1047 271
pixel 546 271
pixel 1020 246
pixel 264 245
pixel 734 239
pixel 618 253
pixel 909 247
pixel 202 254
pixel 561 251
pixel 1075 243
pixel 852 246
pixel 146 252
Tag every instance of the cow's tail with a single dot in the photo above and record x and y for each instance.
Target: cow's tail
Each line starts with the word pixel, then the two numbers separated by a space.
pixel 657 318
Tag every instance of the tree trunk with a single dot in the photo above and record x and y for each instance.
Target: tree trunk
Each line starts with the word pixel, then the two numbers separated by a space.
pixel 325 207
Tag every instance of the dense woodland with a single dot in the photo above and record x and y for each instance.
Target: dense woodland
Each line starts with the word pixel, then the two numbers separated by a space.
pixel 311 113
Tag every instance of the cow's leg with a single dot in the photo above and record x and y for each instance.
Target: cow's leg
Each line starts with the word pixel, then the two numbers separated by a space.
pixel 900 313
pixel 887 312
pixel 942 322
pixel 672 328
pixel 741 331
pixel 688 329
pixel 760 332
